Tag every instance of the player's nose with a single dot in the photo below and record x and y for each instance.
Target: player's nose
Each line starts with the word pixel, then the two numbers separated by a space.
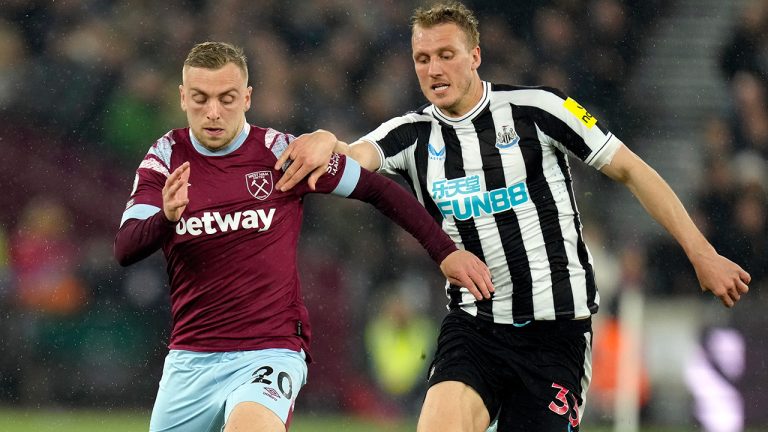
pixel 435 68
pixel 214 111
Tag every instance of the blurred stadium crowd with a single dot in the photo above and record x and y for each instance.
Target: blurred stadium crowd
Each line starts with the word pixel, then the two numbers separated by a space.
pixel 86 86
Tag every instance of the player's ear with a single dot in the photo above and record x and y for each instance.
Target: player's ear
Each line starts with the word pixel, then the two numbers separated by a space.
pixel 248 92
pixel 476 60
pixel 182 99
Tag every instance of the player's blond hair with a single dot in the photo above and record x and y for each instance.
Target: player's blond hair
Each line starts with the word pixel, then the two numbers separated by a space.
pixel 449 12
pixel 215 55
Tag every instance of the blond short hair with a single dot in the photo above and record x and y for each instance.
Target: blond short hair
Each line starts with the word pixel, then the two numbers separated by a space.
pixel 215 55
pixel 450 12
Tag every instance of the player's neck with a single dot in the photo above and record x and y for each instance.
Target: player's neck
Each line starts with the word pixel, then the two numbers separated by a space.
pixel 476 98
pixel 226 149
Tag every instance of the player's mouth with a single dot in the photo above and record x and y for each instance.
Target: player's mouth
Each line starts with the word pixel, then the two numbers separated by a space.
pixel 440 88
pixel 214 131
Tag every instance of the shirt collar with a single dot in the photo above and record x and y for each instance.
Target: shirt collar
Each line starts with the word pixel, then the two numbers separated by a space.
pixel 227 149
pixel 471 114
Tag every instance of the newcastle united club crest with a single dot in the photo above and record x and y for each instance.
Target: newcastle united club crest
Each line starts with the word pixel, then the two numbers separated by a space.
pixel 507 137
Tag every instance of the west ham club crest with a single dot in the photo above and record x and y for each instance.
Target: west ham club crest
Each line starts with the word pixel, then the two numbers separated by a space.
pixel 259 184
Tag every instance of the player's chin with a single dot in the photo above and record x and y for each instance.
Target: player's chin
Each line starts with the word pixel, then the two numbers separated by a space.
pixel 211 146
pixel 216 142
pixel 442 101
pixel 445 106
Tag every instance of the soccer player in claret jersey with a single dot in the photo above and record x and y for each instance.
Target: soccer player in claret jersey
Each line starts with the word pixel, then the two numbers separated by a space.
pixel 206 196
pixel 490 162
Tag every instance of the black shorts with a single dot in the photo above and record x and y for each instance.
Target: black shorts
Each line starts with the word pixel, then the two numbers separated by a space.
pixel 533 376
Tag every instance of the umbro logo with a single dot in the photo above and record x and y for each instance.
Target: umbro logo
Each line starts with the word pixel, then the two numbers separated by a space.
pixel 434 153
pixel 506 138
pixel 271 393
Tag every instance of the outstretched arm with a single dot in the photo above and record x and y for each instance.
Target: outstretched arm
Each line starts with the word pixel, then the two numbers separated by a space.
pixel 309 153
pixel 717 274
pixel 460 267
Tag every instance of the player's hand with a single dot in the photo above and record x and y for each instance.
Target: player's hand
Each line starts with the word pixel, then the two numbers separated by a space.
pixel 721 276
pixel 464 269
pixel 175 193
pixel 309 153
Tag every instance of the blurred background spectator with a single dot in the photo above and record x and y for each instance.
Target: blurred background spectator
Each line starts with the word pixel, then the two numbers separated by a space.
pixel 86 87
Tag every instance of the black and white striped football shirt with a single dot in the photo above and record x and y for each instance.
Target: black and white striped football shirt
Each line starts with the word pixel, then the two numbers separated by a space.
pixel 499 181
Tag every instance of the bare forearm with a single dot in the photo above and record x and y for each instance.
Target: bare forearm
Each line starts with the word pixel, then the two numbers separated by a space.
pixel 342 148
pixel 362 152
pixel 717 274
pixel 658 199
pixel 661 203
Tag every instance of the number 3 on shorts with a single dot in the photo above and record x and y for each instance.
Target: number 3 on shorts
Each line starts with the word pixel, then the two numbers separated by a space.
pixel 564 407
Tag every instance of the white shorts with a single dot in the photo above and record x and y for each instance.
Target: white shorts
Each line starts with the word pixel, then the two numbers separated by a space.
pixel 199 390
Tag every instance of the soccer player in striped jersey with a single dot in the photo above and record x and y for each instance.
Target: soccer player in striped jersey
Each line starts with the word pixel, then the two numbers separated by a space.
pixel 491 163
pixel 205 195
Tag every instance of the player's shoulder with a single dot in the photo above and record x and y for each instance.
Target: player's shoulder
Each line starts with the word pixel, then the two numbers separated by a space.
pixel 166 142
pixel 158 157
pixel 532 93
pixel 160 151
pixel 421 114
pixel 541 99
pixel 272 139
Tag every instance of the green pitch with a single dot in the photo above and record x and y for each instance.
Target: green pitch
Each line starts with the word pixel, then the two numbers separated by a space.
pixel 13 420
